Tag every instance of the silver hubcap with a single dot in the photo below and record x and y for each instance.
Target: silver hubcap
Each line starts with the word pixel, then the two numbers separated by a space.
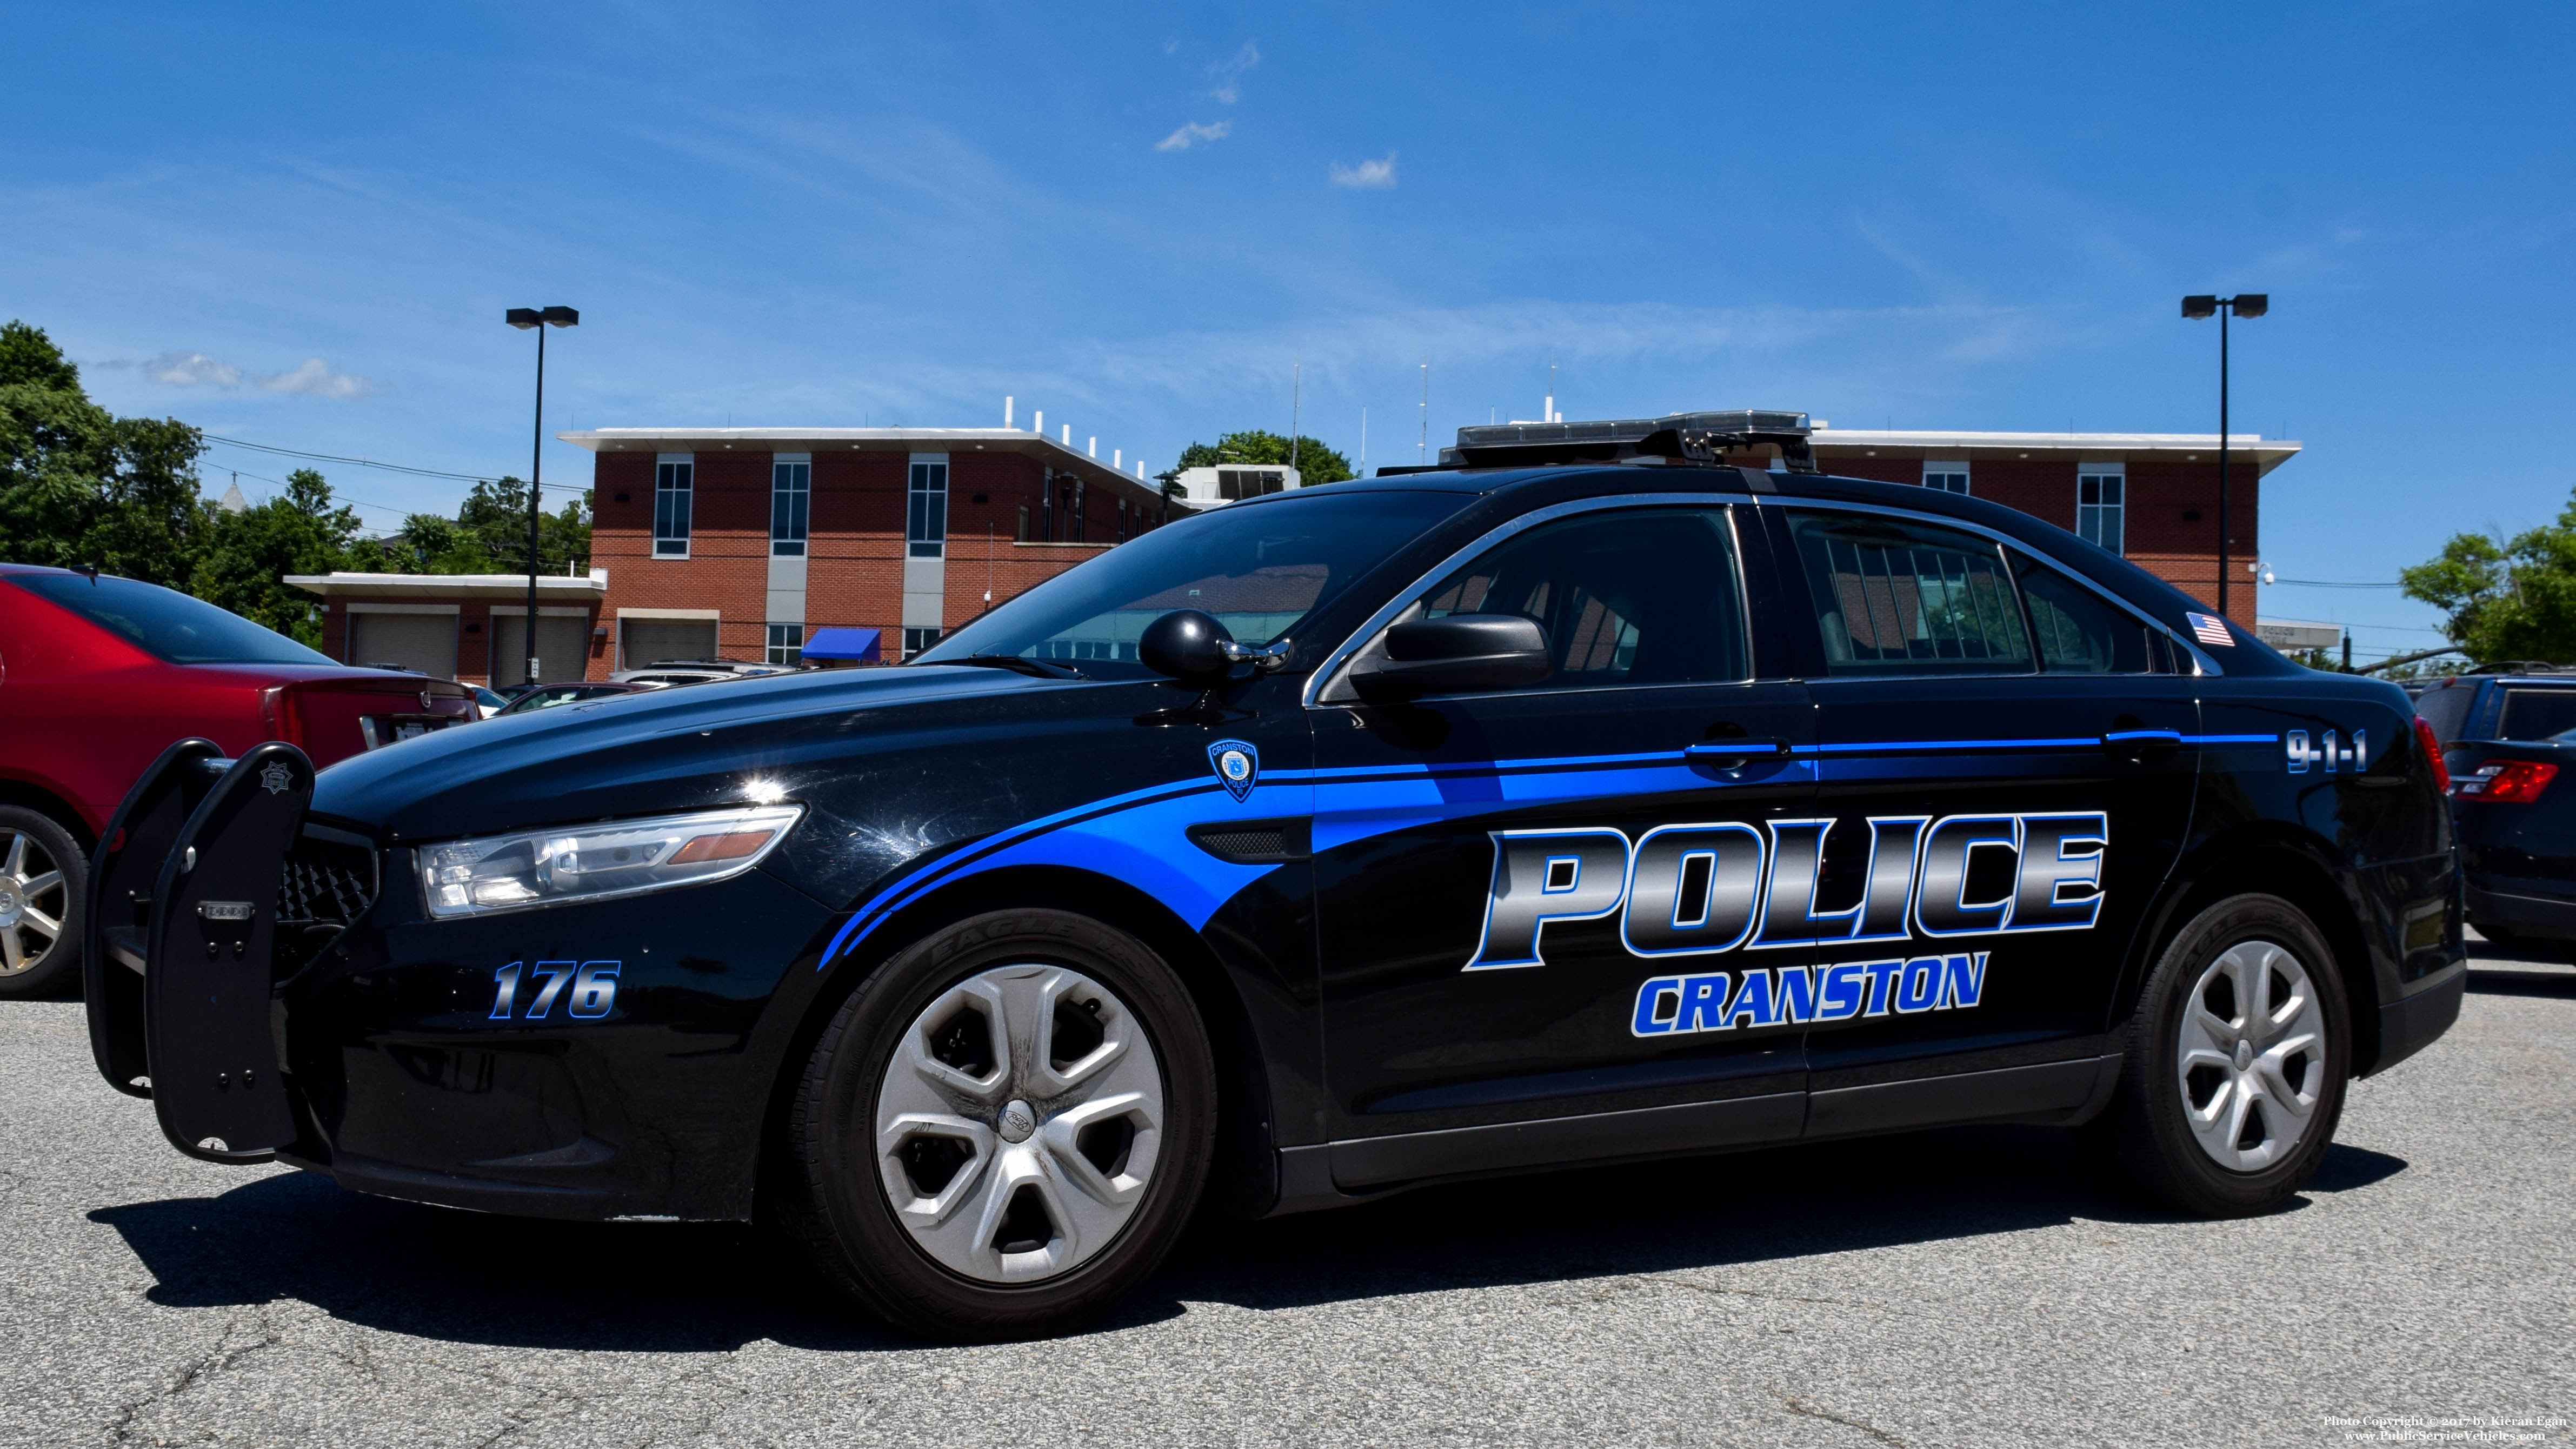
pixel 33 903
pixel 2252 1057
pixel 1018 1123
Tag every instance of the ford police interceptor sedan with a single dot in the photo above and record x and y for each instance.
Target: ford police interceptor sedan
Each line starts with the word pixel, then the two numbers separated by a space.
pixel 1584 799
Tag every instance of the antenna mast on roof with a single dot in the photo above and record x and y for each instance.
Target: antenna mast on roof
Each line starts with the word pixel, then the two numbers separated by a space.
pixel 1296 381
pixel 1422 449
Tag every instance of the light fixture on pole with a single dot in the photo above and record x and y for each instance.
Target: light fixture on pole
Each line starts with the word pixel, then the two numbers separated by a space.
pixel 2243 304
pixel 525 318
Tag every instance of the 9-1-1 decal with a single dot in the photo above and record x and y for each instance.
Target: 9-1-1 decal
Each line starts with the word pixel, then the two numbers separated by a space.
pixel 594 989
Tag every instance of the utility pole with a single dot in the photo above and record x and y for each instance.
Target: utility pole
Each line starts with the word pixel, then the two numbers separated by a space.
pixel 2243 304
pixel 525 319
pixel 1422 449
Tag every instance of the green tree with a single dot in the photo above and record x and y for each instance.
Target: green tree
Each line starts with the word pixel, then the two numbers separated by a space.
pixel 489 534
pixel 248 554
pixel 2506 598
pixel 79 486
pixel 1315 462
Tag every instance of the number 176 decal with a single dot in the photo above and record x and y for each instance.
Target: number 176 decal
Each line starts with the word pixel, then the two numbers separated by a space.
pixel 594 989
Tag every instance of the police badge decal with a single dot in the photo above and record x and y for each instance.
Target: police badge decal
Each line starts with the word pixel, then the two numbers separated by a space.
pixel 1237 766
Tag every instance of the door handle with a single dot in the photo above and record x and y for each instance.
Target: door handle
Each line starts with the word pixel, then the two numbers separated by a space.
pixel 2130 740
pixel 1735 754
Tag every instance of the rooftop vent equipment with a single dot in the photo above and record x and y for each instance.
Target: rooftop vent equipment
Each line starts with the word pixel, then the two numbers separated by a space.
pixel 1688 439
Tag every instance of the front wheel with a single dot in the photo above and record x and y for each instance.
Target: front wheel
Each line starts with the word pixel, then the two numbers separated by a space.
pixel 44 887
pixel 2235 1062
pixel 1004 1129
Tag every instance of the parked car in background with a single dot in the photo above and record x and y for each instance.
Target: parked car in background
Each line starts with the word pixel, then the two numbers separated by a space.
pixel 489 701
pixel 2507 733
pixel 98 675
pixel 663 673
pixel 549 696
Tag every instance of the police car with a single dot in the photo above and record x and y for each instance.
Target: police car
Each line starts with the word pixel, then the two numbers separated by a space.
pixel 1584 798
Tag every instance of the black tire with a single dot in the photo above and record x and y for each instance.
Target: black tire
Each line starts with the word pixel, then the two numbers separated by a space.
pixel 838 1209
pixel 2148 1128
pixel 35 846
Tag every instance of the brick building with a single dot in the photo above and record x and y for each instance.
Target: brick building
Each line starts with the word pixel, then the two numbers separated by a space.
pixel 737 543
pixel 2152 497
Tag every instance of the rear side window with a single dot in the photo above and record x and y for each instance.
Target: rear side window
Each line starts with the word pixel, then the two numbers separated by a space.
pixel 2537 714
pixel 2446 710
pixel 1627 598
pixel 2077 631
pixel 167 624
pixel 1897 597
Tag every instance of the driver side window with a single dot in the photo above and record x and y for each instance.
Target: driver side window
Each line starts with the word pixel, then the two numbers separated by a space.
pixel 1633 597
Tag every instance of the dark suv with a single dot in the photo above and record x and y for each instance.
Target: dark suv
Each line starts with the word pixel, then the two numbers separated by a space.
pixel 2506 733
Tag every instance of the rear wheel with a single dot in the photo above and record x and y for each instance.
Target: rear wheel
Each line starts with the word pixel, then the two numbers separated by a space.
pixel 44 881
pixel 1004 1129
pixel 2235 1062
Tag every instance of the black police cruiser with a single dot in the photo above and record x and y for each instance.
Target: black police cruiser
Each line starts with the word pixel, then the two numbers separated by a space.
pixel 1584 798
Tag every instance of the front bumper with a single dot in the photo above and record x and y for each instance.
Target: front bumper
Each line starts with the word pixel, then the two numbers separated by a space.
pixel 380 1041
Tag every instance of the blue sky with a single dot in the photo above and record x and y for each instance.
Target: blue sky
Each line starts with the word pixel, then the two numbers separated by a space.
pixel 300 224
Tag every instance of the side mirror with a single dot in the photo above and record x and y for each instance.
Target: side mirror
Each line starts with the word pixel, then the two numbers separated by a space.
pixel 1189 645
pixel 1458 653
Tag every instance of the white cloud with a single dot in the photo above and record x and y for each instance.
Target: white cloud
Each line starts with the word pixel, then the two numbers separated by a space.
pixel 1378 175
pixel 1193 133
pixel 317 379
pixel 192 369
pixel 1229 74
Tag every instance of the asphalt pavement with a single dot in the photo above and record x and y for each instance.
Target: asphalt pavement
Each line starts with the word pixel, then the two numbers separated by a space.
pixel 1970 1286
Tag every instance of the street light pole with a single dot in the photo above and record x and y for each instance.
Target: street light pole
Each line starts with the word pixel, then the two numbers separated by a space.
pixel 2243 304
pixel 525 318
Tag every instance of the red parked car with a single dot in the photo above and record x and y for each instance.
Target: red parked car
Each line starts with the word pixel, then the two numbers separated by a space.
pixel 98 675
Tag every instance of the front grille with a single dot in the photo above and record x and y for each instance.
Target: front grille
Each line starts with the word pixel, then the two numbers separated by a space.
pixel 327 885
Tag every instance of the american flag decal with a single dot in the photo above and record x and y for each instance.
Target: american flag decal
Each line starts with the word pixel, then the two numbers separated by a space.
pixel 2210 629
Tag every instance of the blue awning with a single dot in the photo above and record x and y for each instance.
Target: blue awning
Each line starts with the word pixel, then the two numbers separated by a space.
pixel 845 643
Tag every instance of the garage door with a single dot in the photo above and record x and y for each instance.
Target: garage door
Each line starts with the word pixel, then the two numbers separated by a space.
pixel 563 649
pixel 426 642
pixel 650 640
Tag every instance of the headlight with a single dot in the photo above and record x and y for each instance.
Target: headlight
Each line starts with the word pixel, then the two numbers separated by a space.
pixel 595 862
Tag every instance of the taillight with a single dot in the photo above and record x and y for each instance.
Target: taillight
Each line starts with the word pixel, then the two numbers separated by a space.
pixel 2512 782
pixel 2433 752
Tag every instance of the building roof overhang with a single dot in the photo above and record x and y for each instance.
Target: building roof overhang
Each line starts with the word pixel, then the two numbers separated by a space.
pixel 1044 447
pixel 2265 453
pixel 446 588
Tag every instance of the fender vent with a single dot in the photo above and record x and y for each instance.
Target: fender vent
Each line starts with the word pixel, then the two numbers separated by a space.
pixel 1257 842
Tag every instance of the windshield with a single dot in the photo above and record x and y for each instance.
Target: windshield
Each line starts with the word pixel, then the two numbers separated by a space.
pixel 1258 569
pixel 165 623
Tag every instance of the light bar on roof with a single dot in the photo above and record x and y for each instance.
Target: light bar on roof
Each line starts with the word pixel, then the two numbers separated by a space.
pixel 1703 438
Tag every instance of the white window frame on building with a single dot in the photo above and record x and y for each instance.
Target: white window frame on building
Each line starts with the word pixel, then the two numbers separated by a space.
pixel 925 514
pixel 791 501
pixel 786 643
pixel 1950 475
pixel 675 477
pixel 917 639
pixel 2102 505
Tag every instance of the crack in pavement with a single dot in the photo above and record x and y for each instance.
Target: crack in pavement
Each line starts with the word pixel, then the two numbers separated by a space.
pixel 120 1429
pixel 1801 1406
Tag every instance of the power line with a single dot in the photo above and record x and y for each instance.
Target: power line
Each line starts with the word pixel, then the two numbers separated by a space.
pixel 372 463
pixel 2334 584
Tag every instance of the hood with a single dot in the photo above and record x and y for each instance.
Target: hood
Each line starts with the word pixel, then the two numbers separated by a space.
pixel 691 747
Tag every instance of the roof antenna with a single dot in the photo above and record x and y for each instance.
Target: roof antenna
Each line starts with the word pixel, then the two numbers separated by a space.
pixel 88 571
